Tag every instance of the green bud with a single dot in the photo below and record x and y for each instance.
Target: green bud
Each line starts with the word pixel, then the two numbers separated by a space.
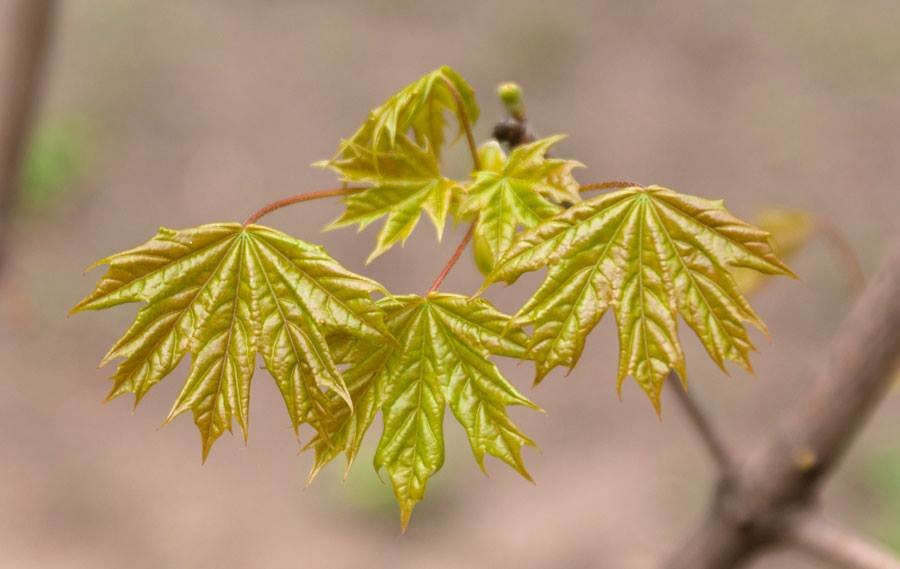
pixel 511 95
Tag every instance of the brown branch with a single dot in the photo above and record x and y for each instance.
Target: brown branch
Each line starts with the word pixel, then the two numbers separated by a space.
pixel 453 259
pixel 699 419
pixel 304 197
pixel 753 509
pixel 837 545
pixel 25 27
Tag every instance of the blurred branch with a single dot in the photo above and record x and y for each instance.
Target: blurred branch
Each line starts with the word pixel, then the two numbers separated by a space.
pixel 830 542
pixel 781 480
pixel 24 35
pixel 702 425
pixel 843 253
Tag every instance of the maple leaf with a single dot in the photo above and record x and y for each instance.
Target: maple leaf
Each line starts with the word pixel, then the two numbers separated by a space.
pixel 514 192
pixel 419 107
pixel 650 254
pixel 223 293
pixel 404 183
pixel 445 341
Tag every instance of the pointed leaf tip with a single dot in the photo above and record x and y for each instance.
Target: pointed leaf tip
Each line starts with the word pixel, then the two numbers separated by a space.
pixel 651 255
pixel 521 191
pixel 449 339
pixel 405 515
pixel 222 293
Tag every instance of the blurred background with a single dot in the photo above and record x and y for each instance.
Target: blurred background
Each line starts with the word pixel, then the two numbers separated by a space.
pixel 177 113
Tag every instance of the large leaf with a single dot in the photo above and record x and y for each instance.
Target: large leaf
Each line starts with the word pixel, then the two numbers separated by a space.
pixel 404 183
pixel 650 254
pixel 223 293
pixel 514 192
pixel 443 359
pixel 420 107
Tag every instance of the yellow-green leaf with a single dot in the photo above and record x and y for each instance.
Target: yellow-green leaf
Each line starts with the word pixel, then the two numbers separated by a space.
pixel 650 254
pixel 513 193
pixel 404 182
pixel 443 359
pixel 420 108
pixel 223 293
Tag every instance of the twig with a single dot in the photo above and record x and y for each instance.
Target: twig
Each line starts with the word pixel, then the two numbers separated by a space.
pixel 304 197
pixel 832 543
pixel 719 452
pixel 25 30
pixel 783 477
pixel 453 259
pixel 517 118
pixel 464 122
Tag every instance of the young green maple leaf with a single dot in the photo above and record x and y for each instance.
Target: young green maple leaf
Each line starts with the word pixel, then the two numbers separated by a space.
pixel 419 107
pixel 404 183
pixel 650 254
pixel 514 192
pixel 223 293
pixel 443 359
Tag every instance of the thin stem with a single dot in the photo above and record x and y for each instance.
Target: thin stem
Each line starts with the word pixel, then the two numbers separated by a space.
pixel 464 122
pixel 609 185
pixel 476 162
pixel 304 197
pixel 453 259
pixel 839 546
pixel 844 253
pixel 717 448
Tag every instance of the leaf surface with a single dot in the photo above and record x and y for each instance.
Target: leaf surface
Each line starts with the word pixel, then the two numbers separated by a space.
pixel 223 293
pixel 514 192
pixel 443 360
pixel 404 183
pixel 420 108
pixel 650 254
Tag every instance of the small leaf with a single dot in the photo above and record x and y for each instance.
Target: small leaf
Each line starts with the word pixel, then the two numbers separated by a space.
pixel 404 183
pixel 650 254
pixel 445 342
pixel 223 292
pixel 492 157
pixel 419 107
pixel 516 194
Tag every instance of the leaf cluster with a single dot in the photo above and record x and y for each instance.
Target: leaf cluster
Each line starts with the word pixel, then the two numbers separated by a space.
pixel 341 348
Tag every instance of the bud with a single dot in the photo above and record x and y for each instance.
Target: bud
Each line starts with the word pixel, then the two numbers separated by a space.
pixel 511 95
